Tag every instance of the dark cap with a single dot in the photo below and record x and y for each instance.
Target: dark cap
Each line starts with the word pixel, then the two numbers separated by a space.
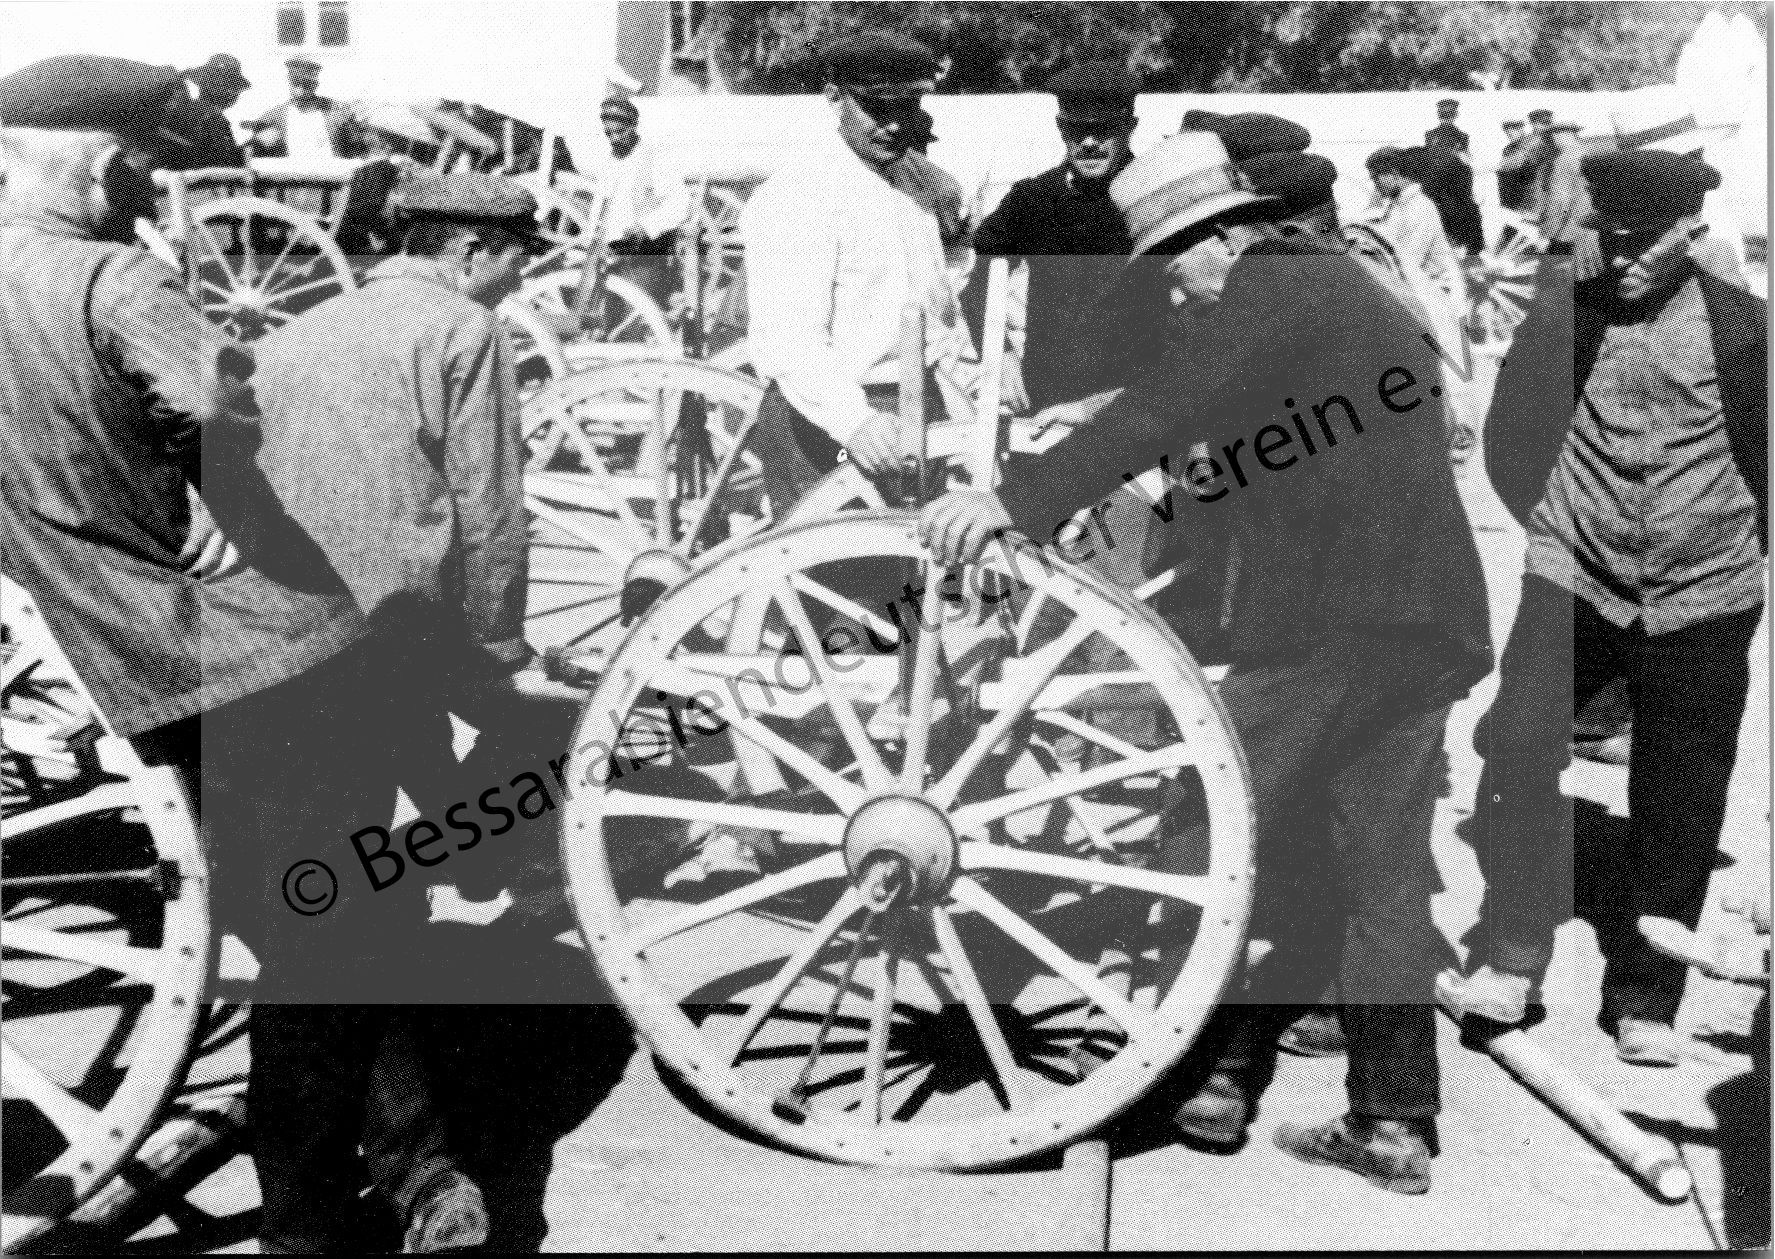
pixel 220 71
pixel 1095 91
pixel 1540 115
pixel 466 197
pixel 1447 105
pixel 1302 181
pixel 880 63
pixel 85 93
pixel 1414 163
pixel 619 107
pixel 1646 186
pixel 1513 122
pixel 302 62
pixel 1247 135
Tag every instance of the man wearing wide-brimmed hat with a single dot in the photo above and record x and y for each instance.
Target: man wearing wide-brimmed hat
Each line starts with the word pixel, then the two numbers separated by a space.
pixel 1357 618
pixel 834 252
pixel 1630 435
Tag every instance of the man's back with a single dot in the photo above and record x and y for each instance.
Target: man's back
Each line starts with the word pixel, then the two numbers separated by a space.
pixel 105 361
pixel 391 433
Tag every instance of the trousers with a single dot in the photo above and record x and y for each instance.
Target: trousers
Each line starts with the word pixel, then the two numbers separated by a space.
pixel 1342 746
pixel 1687 689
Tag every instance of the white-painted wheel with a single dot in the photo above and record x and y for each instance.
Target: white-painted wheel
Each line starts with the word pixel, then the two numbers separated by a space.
pixel 259 264
pixel 537 356
pixel 1500 286
pixel 106 935
pixel 604 447
pixel 620 319
pixel 1011 996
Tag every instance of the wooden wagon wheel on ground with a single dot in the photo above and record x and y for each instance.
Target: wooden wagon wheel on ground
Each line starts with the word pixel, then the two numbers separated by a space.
pixel 604 448
pixel 107 945
pixel 259 264
pixel 1500 286
pixel 921 969
pixel 537 356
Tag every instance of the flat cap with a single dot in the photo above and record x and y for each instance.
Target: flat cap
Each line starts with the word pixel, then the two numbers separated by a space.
pixel 880 62
pixel 1200 120
pixel 221 70
pixel 1247 135
pixel 619 107
pixel 1643 186
pixel 1447 104
pixel 84 93
pixel 1301 181
pixel 1094 90
pixel 1540 115
pixel 301 61
pixel 466 197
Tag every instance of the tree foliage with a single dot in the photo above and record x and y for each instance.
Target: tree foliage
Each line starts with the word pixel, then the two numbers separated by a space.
pixel 1288 46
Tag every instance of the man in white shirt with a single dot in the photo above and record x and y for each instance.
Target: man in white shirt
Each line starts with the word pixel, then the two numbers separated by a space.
pixel 309 126
pixel 834 253
pixel 644 203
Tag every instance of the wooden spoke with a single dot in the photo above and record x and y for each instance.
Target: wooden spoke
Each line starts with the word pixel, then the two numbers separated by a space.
pixel 1012 1094
pixel 843 793
pixel 1085 730
pixel 824 828
pixel 971 818
pixel 1134 1021
pixel 875 773
pixel 99 800
pixel 848 903
pixel 924 683
pixel 828 865
pixel 880 625
pixel 24 1079
pixel 1042 666
pixel 1190 888
pixel 137 963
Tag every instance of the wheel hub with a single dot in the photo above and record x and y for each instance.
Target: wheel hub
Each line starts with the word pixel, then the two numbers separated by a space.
pixel 906 832
pixel 649 575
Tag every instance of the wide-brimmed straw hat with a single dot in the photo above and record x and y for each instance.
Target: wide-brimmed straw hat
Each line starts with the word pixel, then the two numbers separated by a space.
pixel 1180 182
pixel 1662 119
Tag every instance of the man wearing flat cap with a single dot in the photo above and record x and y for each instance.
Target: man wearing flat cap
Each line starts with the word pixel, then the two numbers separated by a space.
pixel 237 657
pixel 203 117
pixel 1629 434
pixel 391 434
pixel 1445 134
pixel 647 202
pixel 1357 618
pixel 835 250
pixel 308 126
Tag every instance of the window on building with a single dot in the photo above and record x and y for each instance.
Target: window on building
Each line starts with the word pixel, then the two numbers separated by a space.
pixel 685 30
pixel 292 24
pixel 334 23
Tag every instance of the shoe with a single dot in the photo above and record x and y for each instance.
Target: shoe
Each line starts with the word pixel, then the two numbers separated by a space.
pixel 449 1214
pixel 1218 1115
pixel 1494 995
pixel 1318 1033
pixel 1391 1154
pixel 1645 1043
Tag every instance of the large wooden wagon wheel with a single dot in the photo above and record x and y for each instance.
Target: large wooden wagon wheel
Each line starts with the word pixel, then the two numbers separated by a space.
pixel 1500 286
pixel 259 264
pixel 957 947
pixel 537 355
pixel 608 504
pixel 106 939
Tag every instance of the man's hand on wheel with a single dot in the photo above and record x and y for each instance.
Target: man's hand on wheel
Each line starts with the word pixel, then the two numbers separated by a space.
pixel 875 446
pixel 958 526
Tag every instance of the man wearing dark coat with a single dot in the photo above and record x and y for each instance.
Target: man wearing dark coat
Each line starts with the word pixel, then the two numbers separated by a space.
pixel 203 119
pixel 1359 608
pixel 1629 434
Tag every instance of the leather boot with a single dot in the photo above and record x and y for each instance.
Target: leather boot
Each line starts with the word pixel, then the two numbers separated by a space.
pixel 1389 1153
pixel 1218 1115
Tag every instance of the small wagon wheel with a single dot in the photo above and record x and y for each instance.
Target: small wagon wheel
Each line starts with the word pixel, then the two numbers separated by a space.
pixel 260 264
pixel 912 966
pixel 621 320
pixel 604 446
pixel 1500 286
pixel 107 947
